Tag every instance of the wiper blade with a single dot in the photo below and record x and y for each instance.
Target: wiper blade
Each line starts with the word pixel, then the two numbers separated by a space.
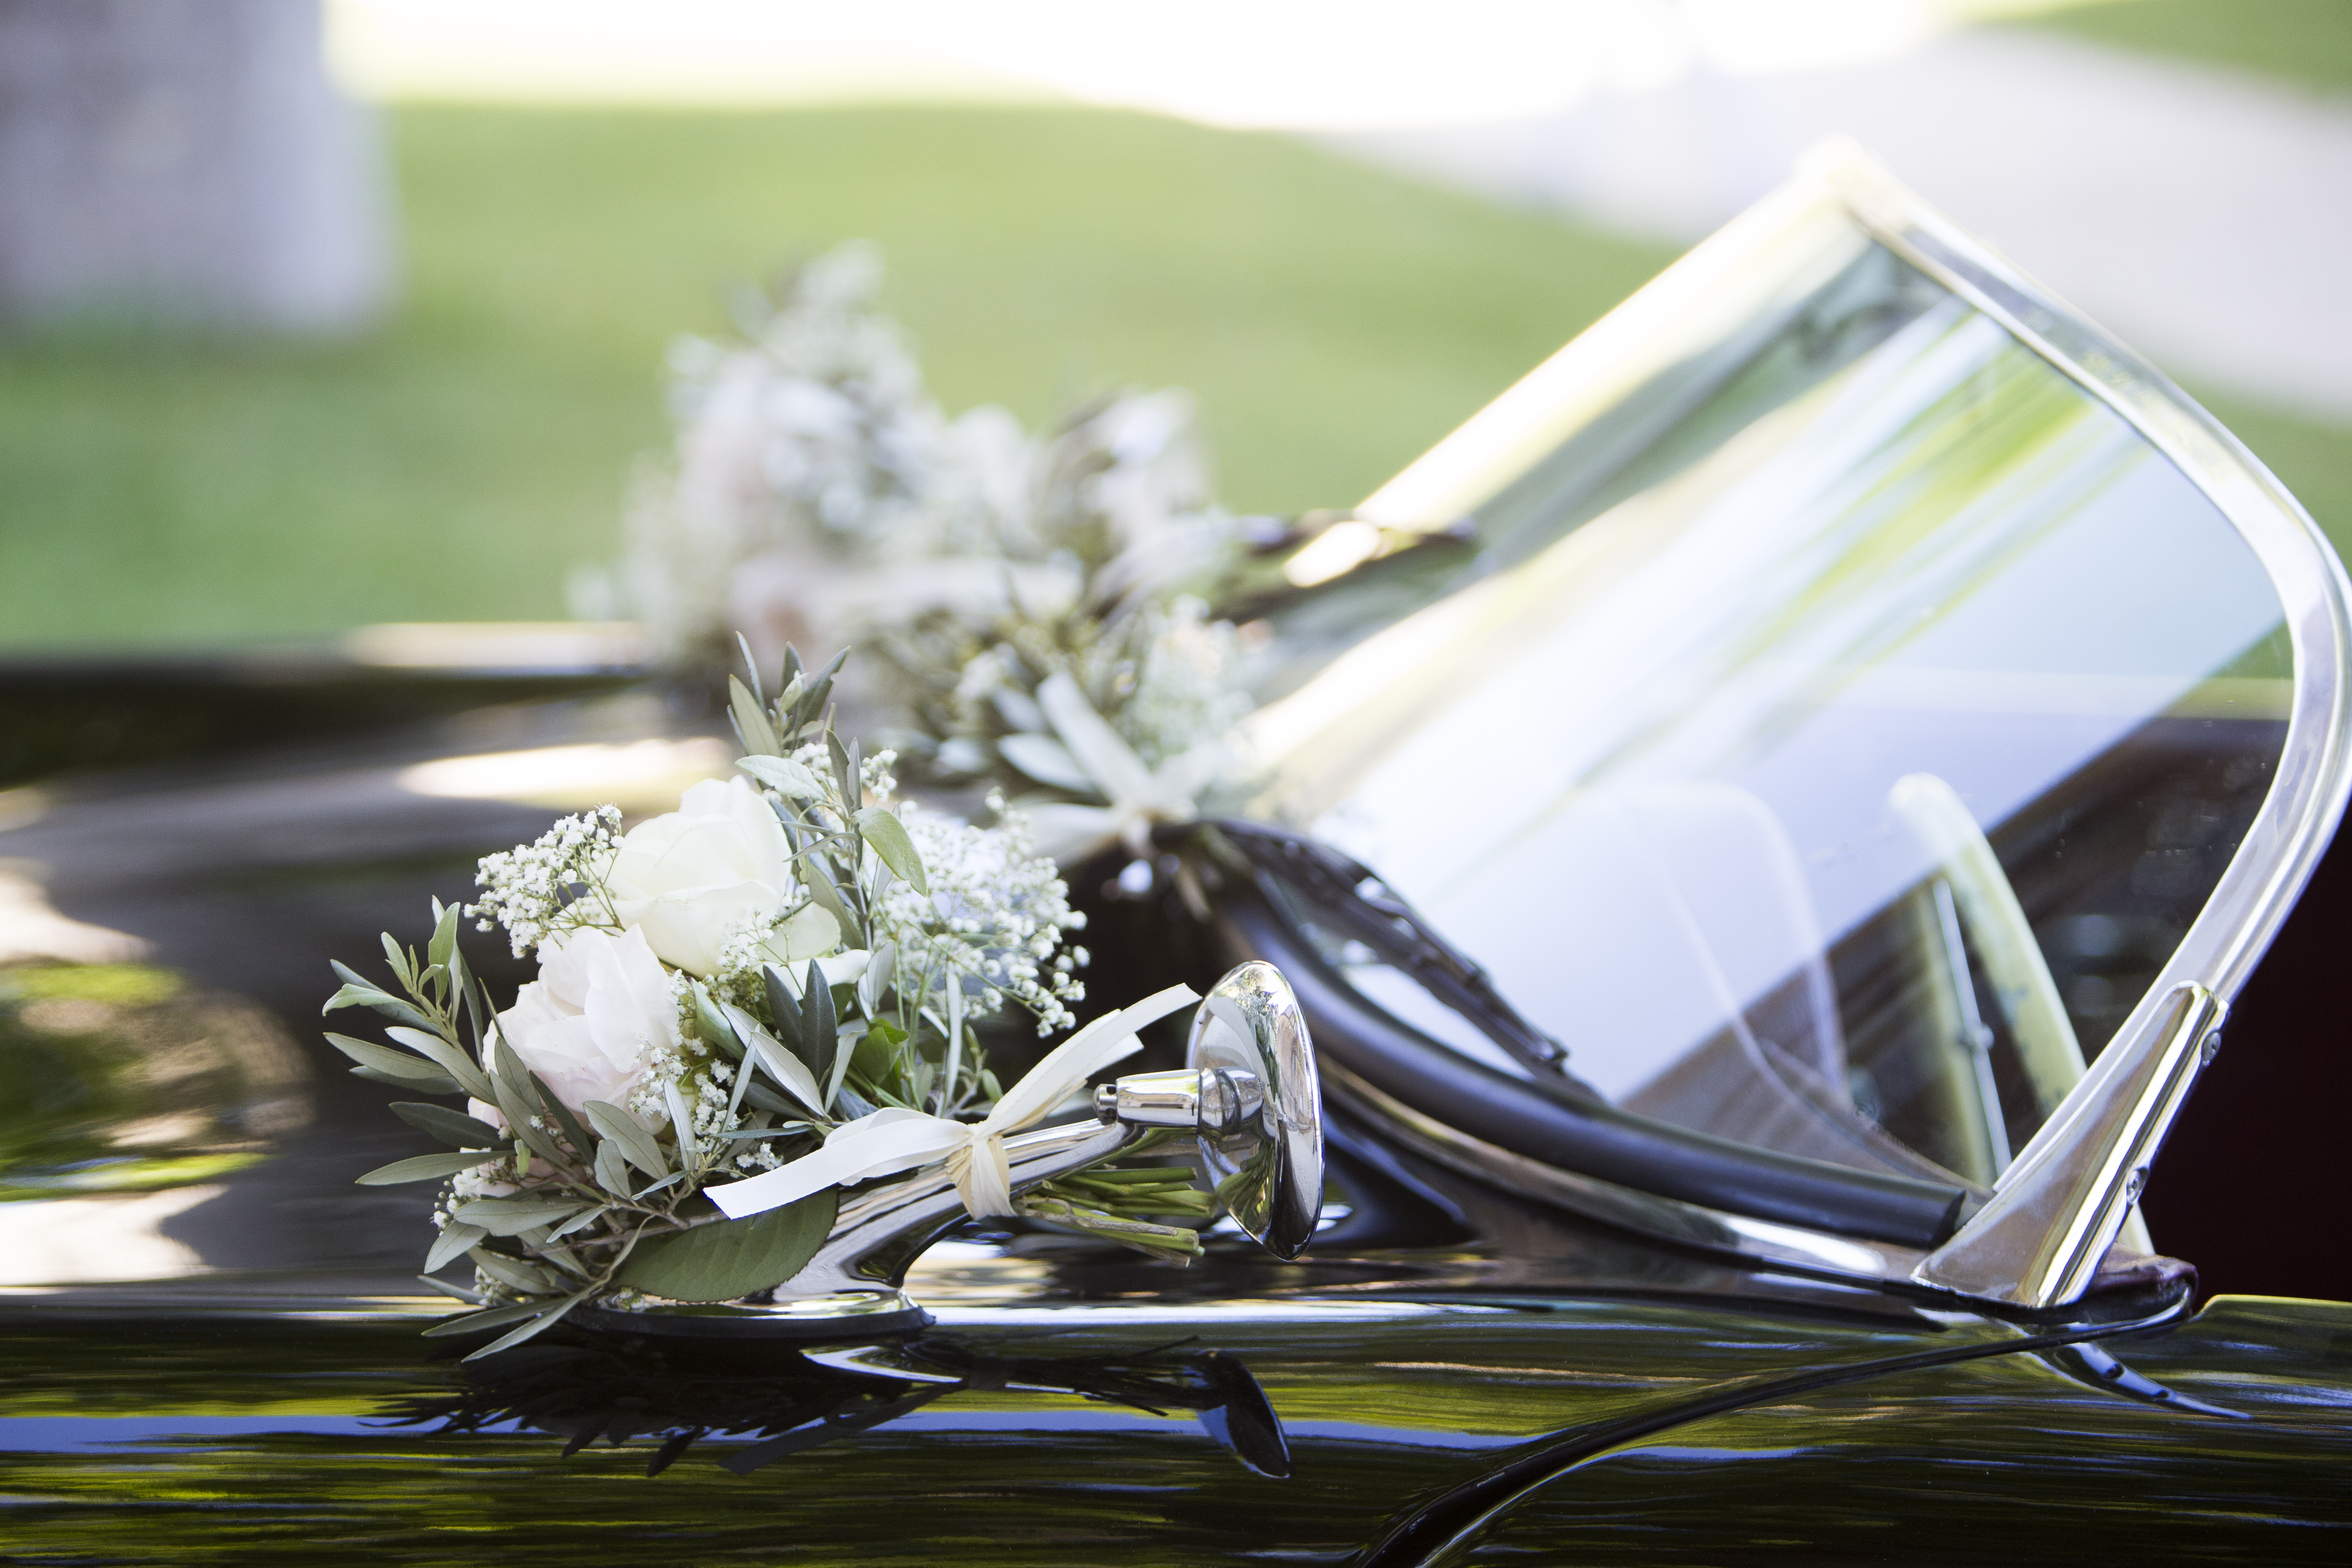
pixel 1363 906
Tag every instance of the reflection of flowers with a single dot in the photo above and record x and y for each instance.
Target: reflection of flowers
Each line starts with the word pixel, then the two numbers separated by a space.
pixel 691 878
pixel 590 1025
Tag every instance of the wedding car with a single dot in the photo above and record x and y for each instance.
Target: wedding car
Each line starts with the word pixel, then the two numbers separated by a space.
pixel 1759 837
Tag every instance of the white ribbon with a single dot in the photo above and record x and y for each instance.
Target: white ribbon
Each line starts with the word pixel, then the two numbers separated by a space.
pixel 1140 796
pixel 891 1141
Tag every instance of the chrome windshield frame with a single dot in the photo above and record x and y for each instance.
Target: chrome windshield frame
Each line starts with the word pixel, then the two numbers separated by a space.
pixel 2058 1209
pixel 2011 1251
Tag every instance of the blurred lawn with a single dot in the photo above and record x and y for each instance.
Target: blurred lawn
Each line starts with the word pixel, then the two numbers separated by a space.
pixel 1333 321
pixel 2304 41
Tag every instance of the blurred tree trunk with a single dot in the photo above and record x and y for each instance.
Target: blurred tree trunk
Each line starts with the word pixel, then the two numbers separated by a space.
pixel 185 161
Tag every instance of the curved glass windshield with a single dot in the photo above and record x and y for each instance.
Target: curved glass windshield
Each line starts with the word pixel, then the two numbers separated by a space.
pixel 1833 767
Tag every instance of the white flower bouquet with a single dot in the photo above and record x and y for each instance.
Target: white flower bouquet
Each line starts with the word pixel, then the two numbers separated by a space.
pixel 1037 598
pixel 742 1007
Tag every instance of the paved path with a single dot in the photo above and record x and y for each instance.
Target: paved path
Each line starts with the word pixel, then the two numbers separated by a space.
pixel 2205 218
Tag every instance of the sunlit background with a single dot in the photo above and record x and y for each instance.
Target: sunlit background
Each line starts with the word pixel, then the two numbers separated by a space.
pixel 429 251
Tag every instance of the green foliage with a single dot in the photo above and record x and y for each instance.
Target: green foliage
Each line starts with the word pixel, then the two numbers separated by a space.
pixel 2307 42
pixel 726 1262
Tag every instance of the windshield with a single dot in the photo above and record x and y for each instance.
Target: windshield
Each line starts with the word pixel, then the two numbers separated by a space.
pixel 1833 768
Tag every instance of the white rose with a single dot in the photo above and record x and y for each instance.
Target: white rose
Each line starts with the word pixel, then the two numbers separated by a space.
pixel 691 878
pixel 590 1022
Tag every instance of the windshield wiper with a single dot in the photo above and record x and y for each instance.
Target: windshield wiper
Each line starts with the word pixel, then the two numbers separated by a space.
pixel 1361 905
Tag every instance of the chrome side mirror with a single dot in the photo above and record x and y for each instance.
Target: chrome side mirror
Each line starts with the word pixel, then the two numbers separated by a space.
pixel 1248 1100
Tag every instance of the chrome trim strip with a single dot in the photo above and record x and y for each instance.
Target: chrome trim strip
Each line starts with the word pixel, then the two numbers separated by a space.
pixel 2290 832
pixel 1666 1218
pixel 2040 1238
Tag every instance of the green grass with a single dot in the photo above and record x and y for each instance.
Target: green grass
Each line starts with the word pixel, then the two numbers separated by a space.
pixel 1332 319
pixel 2308 42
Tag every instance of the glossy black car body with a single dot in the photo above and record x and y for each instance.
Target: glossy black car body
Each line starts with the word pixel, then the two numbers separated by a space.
pixel 1639 1343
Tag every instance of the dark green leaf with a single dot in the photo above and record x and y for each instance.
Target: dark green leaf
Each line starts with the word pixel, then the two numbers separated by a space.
pixel 729 1258
pixel 574 1133
pixel 887 835
pixel 782 1005
pixel 760 1097
pixel 712 1024
pixel 453 1128
pixel 422 1167
pixel 519 1102
pixel 820 1031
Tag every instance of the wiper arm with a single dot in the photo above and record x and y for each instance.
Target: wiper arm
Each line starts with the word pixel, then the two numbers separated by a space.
pixel 1366 908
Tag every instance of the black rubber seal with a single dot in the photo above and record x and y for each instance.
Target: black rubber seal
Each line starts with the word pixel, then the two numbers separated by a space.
pixel 1562 1126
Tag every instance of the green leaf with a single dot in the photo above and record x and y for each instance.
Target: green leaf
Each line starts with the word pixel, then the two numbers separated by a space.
pixel 820 1025
pixel 453 1128
pixel 422 1167
pixel 574 1133
pixel 760 1097
pixel 437 1049
pixel 787 778
pixel 635 1140
pixel 399 962
pixel 729 1258
pixel 471 1323
pixel 844 775
pixel 520 1102
pixel 750 667
pixel 455 1292
pixel 580 1221
pixel 431 1083
pixel 384 1059
pixel 513 1215
pixel 784 1067
pixel 881 964
pixel 712 1024
pixel 513 1272
pixel 810 702
pixel 880 828
pixel 546 1319
pixel 445 934
pixel 359 991
pixel 457 1239
pixel 752 725
pixel 811 869
pixel 782 1005
pixel 611 1170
